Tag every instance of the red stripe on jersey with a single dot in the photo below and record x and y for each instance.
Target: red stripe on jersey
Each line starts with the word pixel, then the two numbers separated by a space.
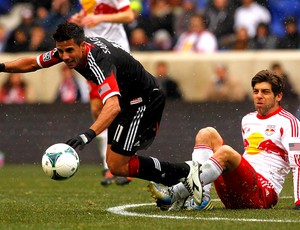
pixel 47 59
pixel 293 121
pixel 103 8
pixel 108 86
pixel 124 8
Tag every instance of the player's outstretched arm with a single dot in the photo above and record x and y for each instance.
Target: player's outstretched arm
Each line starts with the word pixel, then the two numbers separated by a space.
pixel 22 65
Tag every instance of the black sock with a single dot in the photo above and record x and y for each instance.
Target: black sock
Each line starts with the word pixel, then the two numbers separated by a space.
pixel 166 173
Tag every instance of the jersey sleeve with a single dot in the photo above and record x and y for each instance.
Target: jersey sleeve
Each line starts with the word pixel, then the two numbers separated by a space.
pixel 123 5
pixel 109 88
pixel 48 59
pixel 291 143
pixel 294 160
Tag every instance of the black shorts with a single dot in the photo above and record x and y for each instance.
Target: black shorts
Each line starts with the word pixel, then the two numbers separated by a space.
pixel 137 125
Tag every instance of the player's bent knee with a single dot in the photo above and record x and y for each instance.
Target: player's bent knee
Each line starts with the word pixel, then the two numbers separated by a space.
pixel 206 135
pixel 115 167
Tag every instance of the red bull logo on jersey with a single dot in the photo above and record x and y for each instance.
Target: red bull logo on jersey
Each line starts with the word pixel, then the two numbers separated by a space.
pixel 270 130
pixel 256 143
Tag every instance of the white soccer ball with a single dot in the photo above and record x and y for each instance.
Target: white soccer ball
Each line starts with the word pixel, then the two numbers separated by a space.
pixel 60 161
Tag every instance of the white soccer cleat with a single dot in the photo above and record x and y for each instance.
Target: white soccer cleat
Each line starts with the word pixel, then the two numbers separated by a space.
pixel 192 181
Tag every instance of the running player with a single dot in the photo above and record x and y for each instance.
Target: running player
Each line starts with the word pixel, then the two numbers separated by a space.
pixel 104 18
pixel 254 179
pixel 131 108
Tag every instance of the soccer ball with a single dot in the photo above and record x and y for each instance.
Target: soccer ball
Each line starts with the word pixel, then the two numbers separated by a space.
pixel 60 161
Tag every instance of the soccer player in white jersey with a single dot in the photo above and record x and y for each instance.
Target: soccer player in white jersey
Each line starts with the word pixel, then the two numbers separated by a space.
pixel 104 18
pixel 252 180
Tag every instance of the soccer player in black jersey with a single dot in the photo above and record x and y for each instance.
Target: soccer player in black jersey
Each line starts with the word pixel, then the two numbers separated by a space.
pixel 132 105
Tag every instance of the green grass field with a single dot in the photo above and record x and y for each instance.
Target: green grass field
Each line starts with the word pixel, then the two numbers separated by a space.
pixel 31 200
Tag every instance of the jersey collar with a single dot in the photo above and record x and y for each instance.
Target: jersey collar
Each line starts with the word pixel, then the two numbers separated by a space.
pixel 269 115
pixel 87 49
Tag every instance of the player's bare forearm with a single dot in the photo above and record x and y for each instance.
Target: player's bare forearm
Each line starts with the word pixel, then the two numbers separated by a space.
pixel 22 65
pixel 108 113
pixel 120 17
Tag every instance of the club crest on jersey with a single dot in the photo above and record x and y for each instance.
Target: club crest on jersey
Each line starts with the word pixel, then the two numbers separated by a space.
pixel 270 130
pixel 47 56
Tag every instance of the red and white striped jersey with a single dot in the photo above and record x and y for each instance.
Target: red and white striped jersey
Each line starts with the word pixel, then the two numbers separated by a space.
pixel 111 31
pixel 272 147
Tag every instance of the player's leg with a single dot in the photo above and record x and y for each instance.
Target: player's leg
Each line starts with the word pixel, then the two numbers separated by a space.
pixel 95 107
pixel 251 191
pixel 101 139
pixel 207 140
pixel 136 130
pixel 152 169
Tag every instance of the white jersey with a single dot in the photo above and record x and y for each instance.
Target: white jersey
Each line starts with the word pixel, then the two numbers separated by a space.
pixel 272 147
pixel 111 31
pixel 204 42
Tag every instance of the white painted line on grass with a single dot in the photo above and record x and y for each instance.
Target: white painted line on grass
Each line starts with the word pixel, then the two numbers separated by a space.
pixel 121 210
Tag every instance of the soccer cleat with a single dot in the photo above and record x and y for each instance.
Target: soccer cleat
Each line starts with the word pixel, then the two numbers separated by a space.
pixel 205 205
pixel 108 178
pixel 162 195
pixel 123 180
pixel 192 181
pixel 177 205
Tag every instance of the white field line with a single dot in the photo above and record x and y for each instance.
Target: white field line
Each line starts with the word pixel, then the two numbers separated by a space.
pixel 121 210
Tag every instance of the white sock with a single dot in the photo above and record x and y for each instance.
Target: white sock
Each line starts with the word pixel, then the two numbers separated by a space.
pixel 102 146
pixel 211 170
pixel 179 192
pixel 200 154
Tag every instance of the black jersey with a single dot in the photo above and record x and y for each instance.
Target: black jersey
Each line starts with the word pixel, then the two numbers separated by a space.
pixel 112 68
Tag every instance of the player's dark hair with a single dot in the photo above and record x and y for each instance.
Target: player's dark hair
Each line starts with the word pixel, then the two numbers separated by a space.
pixel 277 82
pixel 67 31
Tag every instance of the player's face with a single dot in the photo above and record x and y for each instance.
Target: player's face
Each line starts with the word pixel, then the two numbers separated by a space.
pixel 265 102
pixel 71 53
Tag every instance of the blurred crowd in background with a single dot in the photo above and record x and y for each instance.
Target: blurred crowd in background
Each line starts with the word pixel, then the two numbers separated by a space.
pixel 199 26
pixel 164 25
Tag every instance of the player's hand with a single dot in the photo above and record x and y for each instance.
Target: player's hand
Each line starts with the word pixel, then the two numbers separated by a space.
pixel 82 139
pixel 76 18
pixel 297 207
pixel 92 20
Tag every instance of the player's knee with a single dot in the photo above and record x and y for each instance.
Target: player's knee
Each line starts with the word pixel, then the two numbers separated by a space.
pixel 205 135
pixel 114 167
